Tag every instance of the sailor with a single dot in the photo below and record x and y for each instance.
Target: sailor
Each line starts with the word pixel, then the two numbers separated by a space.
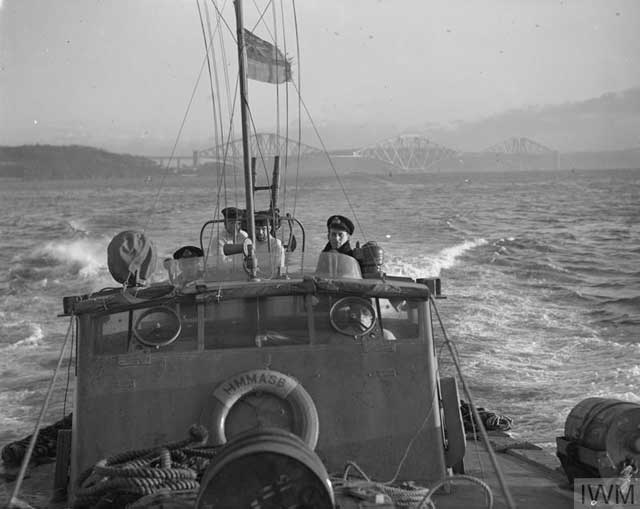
pixel 339 230
pixel 232 233
pixel 187 265
pixel 232 221
pixel 268 248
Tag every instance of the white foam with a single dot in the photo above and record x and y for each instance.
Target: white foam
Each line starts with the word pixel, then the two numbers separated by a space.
pixel 90 255
pixel 432 265
pixel 78 225
pixel 32 340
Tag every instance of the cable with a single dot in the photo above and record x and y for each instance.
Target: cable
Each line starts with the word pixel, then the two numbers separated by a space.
pixel 175 145
pixel 295 23
pixel 476 415
pixel 13 501
pixel 66 390
pixel 326 153
pixel 452 480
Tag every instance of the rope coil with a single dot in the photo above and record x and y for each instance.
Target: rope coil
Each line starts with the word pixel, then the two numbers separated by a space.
pixel 123 478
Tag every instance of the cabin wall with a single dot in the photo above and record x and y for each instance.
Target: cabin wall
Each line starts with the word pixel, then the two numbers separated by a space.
pixel 373 397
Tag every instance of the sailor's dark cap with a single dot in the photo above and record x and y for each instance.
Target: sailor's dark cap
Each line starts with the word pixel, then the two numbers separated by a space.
pixel 187 252
pixel 340 223
pixel 261 219
pixel 232 213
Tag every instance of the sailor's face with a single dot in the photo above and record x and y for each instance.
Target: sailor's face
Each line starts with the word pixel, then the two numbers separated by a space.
pixel 337 238
pixel 230 225
pixel 261 233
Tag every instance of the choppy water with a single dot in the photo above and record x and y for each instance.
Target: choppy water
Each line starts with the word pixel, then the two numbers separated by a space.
pixel 541 271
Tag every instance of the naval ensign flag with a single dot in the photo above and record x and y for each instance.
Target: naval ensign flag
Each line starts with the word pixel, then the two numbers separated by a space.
pixel 265 62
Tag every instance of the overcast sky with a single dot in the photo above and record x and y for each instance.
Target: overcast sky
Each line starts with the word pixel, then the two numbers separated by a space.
pixel 127 68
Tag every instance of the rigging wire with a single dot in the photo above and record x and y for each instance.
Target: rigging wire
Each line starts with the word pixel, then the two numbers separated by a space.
pixel 326 153
pixel 14 501
pixel 473 423
pixel 277 52
pixel 286 116
pixel 231 105
pixel 175 145
pixel 230 109
pixel 69 364
pixel 211 88
pixel 453 350
pixel 220 16
pixel 221 176
pixel 295 23
pixel 261 15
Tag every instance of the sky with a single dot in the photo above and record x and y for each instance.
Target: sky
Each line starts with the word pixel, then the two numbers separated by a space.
pixel 120 73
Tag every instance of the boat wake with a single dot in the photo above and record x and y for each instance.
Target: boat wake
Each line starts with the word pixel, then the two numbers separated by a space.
pixel 431 265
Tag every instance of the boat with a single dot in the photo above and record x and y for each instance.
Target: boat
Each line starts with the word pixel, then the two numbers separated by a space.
pixel 236 384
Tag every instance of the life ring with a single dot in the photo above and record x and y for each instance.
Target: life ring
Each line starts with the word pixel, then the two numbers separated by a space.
pixel 227 394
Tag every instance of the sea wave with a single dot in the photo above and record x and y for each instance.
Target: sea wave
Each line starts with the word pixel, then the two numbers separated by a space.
pixel 30 333
pixel 431 265
pixel 82 257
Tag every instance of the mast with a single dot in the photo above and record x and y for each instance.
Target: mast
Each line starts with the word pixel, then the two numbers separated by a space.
pixel 248 177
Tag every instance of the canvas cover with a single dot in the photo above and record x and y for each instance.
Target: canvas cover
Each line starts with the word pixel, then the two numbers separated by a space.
pixel 131 258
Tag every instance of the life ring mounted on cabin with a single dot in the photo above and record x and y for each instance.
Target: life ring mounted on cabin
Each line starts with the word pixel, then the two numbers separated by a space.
pixel 268 398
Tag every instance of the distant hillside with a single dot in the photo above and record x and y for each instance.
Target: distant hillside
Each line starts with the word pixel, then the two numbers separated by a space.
pixel 608 122
pixel 605 123
pixel 52 162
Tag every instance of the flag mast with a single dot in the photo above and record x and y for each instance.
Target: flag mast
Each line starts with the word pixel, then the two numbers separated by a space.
pixel 248 177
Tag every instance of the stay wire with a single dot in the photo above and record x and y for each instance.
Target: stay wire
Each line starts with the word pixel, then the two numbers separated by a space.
pixel 207 52
pixel 222 180
pixel 68 382
pixel 295 24
pixel 227 146
pixel 286 135
pixel 221 176
pixel 231 110
pixel 220 16
pixel 264 11
pixel 326 153
pixel 175 144
pixel 441 350
pixel 210 56
pixel 13 501
pixel 483 432
pixel 231 107
pixel 277 52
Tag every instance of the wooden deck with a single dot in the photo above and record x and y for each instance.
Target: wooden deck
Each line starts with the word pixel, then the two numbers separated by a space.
pixel 533 475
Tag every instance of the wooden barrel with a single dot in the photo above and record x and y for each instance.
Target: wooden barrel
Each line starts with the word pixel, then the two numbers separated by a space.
pixel 603 424
pixel 269 468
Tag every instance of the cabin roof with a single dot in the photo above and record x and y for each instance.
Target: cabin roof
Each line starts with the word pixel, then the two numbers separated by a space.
pixel 115 299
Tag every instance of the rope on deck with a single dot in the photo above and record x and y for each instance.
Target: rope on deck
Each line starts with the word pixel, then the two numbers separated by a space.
pixel 123 478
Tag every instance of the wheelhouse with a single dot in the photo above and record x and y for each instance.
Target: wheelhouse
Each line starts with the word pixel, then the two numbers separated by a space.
pixel 153 363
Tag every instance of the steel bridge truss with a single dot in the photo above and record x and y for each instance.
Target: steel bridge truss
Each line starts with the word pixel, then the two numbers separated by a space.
pixel 518 146
pixel 260 145
pixel 407 152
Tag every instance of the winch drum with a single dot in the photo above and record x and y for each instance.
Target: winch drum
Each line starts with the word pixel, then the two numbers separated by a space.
pixel 609 425
pixel 272 464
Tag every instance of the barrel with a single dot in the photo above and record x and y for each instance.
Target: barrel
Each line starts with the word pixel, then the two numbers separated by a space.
pixel 268 468
pixel 603 424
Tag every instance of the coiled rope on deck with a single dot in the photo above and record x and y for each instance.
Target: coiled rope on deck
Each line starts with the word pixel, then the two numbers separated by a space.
pixel 45 446
pixel 123 478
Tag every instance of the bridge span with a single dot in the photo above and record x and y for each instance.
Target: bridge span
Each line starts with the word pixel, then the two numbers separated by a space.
pixel 409 152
